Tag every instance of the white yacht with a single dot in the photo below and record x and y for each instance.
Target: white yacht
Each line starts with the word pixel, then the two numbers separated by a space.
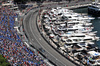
pixel 74 33
pixel 79 39
pixel 94 9
pixel 94 58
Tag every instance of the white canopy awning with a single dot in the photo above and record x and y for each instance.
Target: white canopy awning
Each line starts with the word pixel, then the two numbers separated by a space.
pixel 62 24
pixel 7 4
pixel 94 53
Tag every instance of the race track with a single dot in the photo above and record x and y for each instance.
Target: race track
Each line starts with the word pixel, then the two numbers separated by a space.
pixel 37 40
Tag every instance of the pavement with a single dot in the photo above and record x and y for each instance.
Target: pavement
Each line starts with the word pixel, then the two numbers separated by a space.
pixel 37 40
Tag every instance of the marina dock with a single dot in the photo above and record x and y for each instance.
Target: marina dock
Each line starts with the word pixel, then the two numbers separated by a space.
pixel 71 5
pixel 60 34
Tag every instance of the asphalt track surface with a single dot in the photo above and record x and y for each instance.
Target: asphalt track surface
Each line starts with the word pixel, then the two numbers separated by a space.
pixel 37 40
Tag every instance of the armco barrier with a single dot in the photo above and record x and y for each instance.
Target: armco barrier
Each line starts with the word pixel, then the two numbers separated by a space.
pixel 53 46
pixel 33 46
pixel 48 41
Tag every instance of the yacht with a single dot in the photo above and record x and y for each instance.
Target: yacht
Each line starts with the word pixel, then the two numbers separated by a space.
pixel 94 9
pixel 94 58
pixel 73 33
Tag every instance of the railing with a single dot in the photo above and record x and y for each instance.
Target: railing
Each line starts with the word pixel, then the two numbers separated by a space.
pixel 48 5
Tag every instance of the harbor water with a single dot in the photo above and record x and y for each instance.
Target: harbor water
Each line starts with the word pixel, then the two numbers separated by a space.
pixel 95 22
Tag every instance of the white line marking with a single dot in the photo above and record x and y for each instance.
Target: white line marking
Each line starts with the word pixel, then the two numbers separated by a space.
pixel 40 44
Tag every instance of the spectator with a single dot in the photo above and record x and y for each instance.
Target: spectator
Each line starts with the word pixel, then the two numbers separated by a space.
pixel 11 46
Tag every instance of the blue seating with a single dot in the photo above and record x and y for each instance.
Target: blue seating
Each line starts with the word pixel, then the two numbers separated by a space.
pixel 7 24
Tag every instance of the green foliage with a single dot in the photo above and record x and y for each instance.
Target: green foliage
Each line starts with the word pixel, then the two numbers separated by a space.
pixel 3 61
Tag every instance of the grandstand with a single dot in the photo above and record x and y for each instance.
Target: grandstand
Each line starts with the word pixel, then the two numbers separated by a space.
pixel 11 45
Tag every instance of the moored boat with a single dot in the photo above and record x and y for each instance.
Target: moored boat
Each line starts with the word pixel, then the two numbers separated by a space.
pixel 94 9
pixel 72 32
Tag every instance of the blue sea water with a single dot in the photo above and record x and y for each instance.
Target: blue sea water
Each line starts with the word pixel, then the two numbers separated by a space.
pixel 95 22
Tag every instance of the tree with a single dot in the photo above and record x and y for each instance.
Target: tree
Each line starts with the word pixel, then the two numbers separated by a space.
pixel 3 61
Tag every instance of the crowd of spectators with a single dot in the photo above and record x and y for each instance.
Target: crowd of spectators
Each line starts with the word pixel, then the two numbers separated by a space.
pixel 11 45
